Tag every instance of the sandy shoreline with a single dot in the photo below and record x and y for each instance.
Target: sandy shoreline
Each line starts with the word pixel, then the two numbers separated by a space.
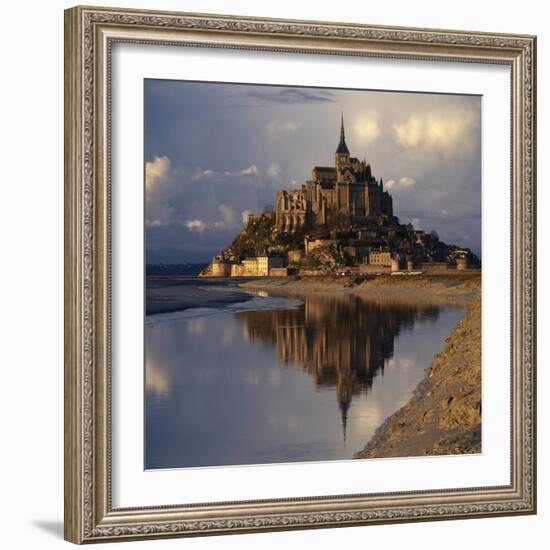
pixel 453 289
pixel 444 414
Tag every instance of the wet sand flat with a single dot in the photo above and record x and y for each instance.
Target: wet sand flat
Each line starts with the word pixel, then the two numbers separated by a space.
pixel 166 295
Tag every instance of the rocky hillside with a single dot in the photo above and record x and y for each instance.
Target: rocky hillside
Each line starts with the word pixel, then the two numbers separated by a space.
pixel 259 236
pixel 345 244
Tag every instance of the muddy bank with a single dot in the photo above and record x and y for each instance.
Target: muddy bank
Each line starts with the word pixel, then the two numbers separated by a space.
pixel 444 413
pixel 453 289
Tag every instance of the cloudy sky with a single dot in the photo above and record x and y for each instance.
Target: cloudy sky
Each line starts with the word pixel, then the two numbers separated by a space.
pixel 215 152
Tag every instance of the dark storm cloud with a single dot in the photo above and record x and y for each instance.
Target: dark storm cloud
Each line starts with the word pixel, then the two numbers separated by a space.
pixel 209 164
pixel 291 95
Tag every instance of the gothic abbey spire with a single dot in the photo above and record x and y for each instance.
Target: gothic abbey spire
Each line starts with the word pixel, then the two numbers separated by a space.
pixel 342 155
pixel 342 147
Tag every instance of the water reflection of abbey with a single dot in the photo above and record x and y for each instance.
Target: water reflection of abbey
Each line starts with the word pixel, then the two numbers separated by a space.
pixel 341 341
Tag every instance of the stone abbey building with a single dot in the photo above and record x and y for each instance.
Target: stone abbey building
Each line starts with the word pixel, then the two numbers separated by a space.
pixel 348 187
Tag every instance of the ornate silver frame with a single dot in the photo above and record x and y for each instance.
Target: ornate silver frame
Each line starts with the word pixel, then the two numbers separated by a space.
pixel 89 36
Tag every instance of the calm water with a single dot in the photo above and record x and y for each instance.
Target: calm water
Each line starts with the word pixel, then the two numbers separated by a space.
pixel 310 382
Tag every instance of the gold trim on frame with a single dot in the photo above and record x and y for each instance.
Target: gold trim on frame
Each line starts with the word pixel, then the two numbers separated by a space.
pixel 89 35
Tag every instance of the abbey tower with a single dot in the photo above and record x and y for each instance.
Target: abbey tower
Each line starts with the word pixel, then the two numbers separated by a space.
pixel 342 156
pixel 348 188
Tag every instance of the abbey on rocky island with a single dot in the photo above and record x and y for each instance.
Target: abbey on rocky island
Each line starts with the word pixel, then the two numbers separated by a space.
pixel 340 220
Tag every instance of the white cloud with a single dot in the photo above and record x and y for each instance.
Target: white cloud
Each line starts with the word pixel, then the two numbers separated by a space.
pixel 285 127
pixel 156 171
pixel 273 170
pixel 444 212
pixel 228 214
pixel 444 131
pixel 159 184
pixel 410 132
pixel 252 170
pixel 195 225
pixel 366 127
pixel 154 223
pixel 294 183
pixel 199 173
pixel 229 219
pixel 244 215
pixel 406 181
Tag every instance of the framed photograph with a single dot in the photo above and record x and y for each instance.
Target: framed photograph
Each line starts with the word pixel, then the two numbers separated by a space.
pixel 300 274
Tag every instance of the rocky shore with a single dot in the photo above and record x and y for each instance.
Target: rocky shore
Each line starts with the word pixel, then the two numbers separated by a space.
pixel 444 414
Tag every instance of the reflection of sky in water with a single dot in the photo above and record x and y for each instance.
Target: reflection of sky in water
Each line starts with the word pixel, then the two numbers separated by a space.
pixel 283 385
